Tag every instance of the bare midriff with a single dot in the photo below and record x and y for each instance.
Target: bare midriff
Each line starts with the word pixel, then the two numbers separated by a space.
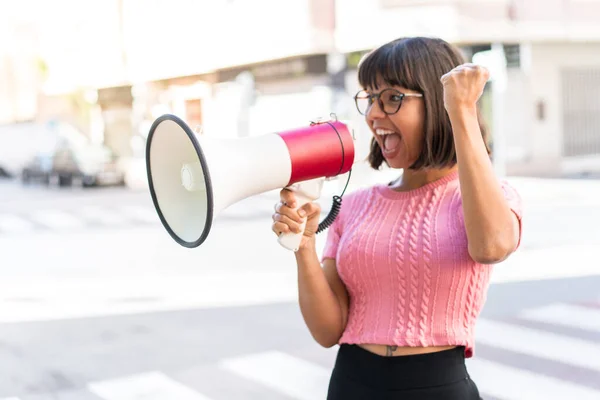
pixel 390 351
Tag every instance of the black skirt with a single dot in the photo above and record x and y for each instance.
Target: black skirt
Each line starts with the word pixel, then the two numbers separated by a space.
pixel 360 374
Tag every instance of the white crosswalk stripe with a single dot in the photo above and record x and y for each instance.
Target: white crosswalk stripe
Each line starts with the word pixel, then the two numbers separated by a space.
pixel 10 398
pixel 294 377
pixel 79 218
pixel 566 315
pixel 143 214
pixel 16 224
pixel 546 345
pixel 101 215
pixel 509 383
pixel 147 386
pixel 57 219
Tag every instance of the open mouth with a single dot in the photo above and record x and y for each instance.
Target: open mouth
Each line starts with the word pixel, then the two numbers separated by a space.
pixel 389 140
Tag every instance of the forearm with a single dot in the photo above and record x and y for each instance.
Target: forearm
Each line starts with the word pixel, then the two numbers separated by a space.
pixel 319 305
pixel 489 222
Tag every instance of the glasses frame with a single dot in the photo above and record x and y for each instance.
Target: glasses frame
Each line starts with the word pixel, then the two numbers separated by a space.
pixel 377 97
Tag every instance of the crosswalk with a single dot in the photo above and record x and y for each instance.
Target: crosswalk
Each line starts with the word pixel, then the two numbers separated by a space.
pixel 289 375
pixel 148 386
pixel 281 372
pixel 86 216
pixel 502 382
pixel 112 215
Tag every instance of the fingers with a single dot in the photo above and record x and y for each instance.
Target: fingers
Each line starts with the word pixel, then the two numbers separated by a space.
pixel 466 68
pixel 288 198
pixel 284 224
pixel 279 228
pixel 287 211
pixel 485 73
pixel 293 223
pixel 309 209
pixel 286 219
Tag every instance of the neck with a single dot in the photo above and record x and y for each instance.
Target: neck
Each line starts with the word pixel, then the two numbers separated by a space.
pixel 415 179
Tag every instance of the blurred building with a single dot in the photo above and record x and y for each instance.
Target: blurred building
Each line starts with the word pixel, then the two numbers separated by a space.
pixel 21 68
pixel 234 67
pixel 244 68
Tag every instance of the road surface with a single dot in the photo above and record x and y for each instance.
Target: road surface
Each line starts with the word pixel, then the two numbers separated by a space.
pixel 97 302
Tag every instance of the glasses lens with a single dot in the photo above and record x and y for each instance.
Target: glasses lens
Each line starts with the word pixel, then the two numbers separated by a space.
pixel 362 102
pixel 392 100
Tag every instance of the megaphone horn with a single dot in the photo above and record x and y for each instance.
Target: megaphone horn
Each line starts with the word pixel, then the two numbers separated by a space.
pixel 192 178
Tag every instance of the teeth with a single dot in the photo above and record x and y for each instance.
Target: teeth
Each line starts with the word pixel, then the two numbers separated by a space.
pixel 382 132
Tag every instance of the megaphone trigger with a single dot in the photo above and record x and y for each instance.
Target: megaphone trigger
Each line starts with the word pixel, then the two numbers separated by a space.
pixel 305 192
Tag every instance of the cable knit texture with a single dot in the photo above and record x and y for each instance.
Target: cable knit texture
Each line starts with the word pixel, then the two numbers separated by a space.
pixel 404 259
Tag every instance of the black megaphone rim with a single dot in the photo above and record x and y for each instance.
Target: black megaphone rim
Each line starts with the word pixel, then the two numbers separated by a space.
pixel 205 172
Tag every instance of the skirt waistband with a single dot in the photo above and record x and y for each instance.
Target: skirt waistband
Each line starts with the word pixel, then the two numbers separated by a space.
pixel 401 372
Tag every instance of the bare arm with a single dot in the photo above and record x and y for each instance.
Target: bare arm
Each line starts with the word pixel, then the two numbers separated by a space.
pixel 492 228
pixel 322 296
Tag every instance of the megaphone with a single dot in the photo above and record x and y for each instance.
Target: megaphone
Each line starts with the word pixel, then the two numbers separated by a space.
pixel 193 177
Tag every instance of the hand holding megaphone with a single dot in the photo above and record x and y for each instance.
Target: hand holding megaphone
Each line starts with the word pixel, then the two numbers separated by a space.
pixel 295 222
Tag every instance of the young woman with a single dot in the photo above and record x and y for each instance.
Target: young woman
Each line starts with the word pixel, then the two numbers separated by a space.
pixel 406 265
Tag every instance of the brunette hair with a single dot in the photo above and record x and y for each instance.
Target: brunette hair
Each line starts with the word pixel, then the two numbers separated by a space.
pixel 417 64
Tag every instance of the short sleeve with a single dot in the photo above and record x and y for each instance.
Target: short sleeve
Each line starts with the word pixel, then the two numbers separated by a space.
pixel 515 202
pixel 335 230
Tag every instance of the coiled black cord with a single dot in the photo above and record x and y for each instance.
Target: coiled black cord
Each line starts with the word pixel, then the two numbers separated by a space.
pixel 335 209
pixel 337 200
pixel 333 213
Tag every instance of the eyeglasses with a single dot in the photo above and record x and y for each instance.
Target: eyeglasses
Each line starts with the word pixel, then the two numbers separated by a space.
pixel 389 100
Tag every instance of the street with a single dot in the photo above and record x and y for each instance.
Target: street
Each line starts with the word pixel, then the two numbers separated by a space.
pixel 98 302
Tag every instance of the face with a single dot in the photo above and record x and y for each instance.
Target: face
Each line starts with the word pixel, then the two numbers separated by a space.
pixel 399 135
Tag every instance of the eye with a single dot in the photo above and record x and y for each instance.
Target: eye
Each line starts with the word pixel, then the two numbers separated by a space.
pixel 396 98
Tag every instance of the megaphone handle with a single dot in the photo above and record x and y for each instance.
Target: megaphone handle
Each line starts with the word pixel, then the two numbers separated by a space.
pixel 291 241
pixel 305 192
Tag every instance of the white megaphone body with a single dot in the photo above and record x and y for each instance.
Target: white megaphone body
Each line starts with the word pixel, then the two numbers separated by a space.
pixel 192 177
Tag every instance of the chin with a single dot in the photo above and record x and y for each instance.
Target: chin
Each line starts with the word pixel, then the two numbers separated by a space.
pixel 397 164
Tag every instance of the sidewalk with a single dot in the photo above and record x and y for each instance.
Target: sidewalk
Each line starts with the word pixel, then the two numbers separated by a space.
pixel 564 192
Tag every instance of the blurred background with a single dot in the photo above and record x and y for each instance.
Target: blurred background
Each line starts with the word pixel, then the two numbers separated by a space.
pixel 98 302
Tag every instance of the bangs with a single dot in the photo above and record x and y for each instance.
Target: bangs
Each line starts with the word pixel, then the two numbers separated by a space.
pixel 389 64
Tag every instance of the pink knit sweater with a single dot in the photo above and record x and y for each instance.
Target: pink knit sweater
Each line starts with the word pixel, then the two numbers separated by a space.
pixel 404 259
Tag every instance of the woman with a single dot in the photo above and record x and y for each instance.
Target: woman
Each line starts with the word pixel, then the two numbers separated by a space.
pixel 406 265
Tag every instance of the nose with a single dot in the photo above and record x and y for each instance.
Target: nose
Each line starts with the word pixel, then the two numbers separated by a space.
pixel 375 112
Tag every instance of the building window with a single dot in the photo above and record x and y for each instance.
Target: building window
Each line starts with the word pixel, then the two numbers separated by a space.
pixel 581 112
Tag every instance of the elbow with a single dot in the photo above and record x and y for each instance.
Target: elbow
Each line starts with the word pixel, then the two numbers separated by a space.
pixel 328 344
pixel 491 253
pixel 326 340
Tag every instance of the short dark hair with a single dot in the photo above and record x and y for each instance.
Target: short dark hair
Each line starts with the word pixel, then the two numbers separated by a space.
pixel 417 64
